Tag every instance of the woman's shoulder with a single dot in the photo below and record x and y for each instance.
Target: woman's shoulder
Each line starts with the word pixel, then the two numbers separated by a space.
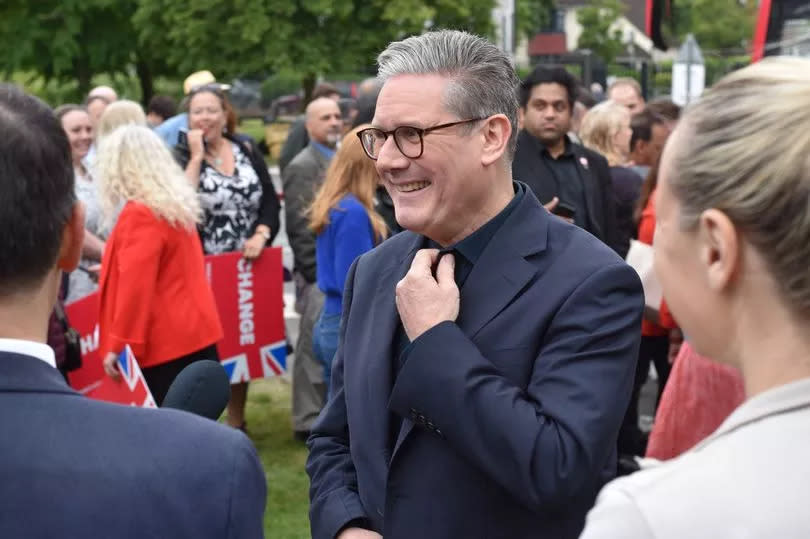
pixel 348 206
pixel 138 214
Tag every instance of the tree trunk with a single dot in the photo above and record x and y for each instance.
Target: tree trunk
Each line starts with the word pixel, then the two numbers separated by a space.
pixel 147 80
pixel 309 84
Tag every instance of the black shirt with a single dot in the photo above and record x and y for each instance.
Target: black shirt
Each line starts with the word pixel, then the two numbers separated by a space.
pixel 534 165
pixel 467 252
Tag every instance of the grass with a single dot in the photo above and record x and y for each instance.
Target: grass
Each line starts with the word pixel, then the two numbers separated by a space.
pixel 268 419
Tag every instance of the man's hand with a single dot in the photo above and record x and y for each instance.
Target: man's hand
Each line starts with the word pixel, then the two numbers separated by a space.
pixel 424 301
pixel 553 204
pixel 358 533
pixel 111 366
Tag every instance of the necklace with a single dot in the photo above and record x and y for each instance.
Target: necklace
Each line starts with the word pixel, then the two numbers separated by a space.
pixel 215 159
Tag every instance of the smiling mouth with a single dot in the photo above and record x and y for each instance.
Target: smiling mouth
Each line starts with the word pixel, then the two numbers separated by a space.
pixel 411 187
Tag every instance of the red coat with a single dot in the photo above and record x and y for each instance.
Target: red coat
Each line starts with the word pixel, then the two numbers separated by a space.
pixel 154 293
pixel 646 231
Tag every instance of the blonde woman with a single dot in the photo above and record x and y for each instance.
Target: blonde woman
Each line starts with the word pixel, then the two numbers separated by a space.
pixel 154 293
pixel 342 216
pixel 606 129
pixel 732 245
pixel 119 113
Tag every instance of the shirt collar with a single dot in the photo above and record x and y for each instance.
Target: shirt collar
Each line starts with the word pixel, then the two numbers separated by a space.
pixel 29 348
pixel 326 151
pixel 473 246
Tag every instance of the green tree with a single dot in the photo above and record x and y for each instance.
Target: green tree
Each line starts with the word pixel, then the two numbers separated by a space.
pixel 72 40
pixel 721 26
pixel 308 37
pixel 532 16
pixel 596 19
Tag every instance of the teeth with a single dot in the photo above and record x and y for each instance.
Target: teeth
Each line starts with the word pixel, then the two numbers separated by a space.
pixel 414 186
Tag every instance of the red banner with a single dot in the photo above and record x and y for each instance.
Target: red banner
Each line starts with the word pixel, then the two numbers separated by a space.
pixel 251 308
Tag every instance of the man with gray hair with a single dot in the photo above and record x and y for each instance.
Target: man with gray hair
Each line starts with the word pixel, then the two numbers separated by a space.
pixel 486 353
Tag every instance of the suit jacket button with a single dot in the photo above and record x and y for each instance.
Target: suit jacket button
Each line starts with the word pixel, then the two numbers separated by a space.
pixel 439 432
pixel 421 419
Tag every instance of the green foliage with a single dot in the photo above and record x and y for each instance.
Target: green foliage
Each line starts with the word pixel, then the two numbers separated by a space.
pixel 718 25
pixel 596 19
pixel 531 17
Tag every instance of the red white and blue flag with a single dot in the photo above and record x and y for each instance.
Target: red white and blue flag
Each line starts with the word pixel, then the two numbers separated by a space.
pixel 131 389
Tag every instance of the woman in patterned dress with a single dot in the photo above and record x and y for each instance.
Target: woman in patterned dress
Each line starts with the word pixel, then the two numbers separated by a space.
pixel 240 207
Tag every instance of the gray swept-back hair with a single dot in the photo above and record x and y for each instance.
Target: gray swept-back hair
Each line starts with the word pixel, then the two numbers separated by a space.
pixel 745 150
pixel 482 79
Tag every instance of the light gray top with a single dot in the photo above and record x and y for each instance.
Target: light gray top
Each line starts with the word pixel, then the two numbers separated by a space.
pixel 80 284
pixel 749 479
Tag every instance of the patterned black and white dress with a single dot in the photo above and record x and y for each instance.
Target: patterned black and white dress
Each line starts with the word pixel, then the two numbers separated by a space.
pixel 231 204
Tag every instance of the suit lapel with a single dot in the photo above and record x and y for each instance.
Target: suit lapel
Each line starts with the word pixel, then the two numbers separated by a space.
pixel 498 276
pixel 502 271
pixel 381 353
pixel 591 192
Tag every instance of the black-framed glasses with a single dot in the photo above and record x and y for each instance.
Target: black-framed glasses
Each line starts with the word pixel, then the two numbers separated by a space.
pixel 409 139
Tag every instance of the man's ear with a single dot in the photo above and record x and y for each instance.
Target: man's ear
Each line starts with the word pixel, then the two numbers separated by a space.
pixel 719 249
pixel 496 132
pixel 70 251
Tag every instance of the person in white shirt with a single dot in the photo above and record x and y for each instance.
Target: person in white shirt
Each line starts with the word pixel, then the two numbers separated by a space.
pixel 732 246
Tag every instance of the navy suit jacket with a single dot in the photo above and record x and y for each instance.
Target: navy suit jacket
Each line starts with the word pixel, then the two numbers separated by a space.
pixel 509 415
pixel 75 467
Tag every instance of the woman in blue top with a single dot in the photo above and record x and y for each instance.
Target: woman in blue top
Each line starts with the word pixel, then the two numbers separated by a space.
pixel 343 217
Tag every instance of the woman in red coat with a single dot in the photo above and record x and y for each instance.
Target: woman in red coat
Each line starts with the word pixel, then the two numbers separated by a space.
pixel 154 293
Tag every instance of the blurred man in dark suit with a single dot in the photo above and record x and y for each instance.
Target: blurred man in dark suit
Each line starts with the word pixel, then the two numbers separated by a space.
pixel 71 466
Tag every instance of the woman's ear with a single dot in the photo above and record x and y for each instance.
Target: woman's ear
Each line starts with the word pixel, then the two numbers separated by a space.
pixel 496 132
pixel 70 251
pixel 719 248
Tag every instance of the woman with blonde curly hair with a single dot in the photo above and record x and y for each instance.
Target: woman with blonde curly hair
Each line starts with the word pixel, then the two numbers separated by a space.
pixel 342 216
pixel 606 129
pixel 732 244
pixel 154 293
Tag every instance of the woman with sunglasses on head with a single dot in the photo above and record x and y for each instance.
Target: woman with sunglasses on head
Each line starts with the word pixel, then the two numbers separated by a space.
pixel 732 244
pixel 342 216
pixel 239 203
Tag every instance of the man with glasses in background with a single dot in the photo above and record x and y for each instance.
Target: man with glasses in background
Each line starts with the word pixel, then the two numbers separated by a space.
pixel 487 352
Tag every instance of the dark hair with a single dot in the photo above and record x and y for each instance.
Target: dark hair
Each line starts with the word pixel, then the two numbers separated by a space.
pixel 92 98
pixel 642 126
pixel 36 189
pixel 162 105
pixel 585 97
pixel 347 105
pixel 647 189
pixel 367 103
pixel 324 89
pixel 63 110
pixel 230 116
pixel 549 75
pixel 666 108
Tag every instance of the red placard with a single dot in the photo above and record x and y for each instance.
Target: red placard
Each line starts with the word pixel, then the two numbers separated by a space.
pixel 251 308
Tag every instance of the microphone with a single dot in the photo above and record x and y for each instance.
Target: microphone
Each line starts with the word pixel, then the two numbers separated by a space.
pixel 202 388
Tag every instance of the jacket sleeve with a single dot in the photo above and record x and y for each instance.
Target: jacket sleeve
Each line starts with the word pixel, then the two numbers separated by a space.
pixel 545 444
pixel 611 227
pixel 269 207
pixel 616 514
pixel 140 242
pixel 298 195
pixel 248 493
pixel 333 495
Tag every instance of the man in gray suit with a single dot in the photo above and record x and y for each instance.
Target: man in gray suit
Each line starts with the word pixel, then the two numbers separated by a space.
pixel 302 178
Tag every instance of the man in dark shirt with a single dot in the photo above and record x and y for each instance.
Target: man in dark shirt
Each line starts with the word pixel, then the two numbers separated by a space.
pixel 487 352
pixel 569 179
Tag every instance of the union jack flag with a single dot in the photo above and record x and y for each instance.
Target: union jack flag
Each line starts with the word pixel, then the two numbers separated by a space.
pixel 271 361
pixel 131 390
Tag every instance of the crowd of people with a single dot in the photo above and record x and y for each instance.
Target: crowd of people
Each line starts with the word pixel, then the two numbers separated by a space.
pixel 472 344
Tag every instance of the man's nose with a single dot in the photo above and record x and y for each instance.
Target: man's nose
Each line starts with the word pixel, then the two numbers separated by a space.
pixel 390 158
